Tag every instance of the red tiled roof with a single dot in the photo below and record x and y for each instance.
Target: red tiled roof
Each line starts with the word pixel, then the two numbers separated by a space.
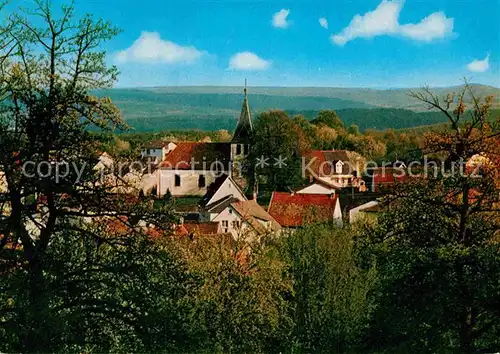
pixel 293 210
pixel 201 153
pixel 202 228
pixel 181 231
pixel 120 226
pixel 387 176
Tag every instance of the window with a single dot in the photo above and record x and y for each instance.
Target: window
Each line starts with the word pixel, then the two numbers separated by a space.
pixel 246 147
pixel 236 224
pixel 201 181
pixel 225 224
pixel 338 167
pixel 177 180
pixel 238 149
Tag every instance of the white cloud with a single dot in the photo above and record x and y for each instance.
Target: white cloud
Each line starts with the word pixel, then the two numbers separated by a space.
pixel 150 48
pixel 323 22
pixel 479 66
pixel 280 18
pixel 248 61
pixel 384 20
pixel 434 26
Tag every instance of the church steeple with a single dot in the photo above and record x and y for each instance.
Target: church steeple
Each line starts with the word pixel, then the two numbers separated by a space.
pixel 243 130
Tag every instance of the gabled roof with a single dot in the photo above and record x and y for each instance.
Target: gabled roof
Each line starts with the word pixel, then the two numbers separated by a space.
pixel 221 204
pixel 252 213
pixel 203 155
pixel 294 210
pixel 322 161
pixel 243 131
pixel 214 187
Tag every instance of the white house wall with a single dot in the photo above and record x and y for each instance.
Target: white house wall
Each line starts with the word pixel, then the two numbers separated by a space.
pixel 230 215
pixel 337 213
pixel 189 182
pixel 227 188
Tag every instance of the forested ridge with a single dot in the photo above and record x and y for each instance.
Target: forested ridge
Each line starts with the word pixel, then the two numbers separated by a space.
pixel 214 108
pixel 365 118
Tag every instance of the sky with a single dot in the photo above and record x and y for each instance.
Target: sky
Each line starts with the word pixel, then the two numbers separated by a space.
pixel 328 43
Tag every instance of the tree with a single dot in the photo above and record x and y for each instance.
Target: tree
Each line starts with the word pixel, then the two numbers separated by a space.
pixel 437 250
pixel 331 305
pixel 369 147
pixel 115 290
pixel 330 119
pixel 242 304
pixel 48 68
pixel 275 137
pixel 353 129
pixel 223 136
pixel 326 137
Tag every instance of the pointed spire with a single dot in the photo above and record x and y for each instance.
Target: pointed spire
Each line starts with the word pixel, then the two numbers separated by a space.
pixel 243 130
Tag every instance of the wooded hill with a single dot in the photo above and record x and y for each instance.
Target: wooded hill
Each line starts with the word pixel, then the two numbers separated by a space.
pixel 213 108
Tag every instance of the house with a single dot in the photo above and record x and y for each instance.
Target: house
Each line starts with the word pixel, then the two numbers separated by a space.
pixel 190 167
pixel 220 194
pixel 340 167
pixel 292 210
pixel 156 151
pixel 321 185
pixel 382 179
pixel 245 219
pixel 226 204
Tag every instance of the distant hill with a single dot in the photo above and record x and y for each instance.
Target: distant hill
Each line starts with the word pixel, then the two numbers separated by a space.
pixel 215 107
pixel 390 98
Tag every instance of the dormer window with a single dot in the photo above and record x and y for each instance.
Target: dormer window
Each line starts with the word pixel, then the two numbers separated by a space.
pixel 338 167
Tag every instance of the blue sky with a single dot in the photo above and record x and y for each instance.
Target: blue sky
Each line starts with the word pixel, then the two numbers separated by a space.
pixel 379 43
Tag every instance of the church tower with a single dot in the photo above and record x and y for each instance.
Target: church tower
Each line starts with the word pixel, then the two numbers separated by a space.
pixel 240 143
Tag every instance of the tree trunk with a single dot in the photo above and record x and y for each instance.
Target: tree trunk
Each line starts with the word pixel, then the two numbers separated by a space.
pixel 37 335
pixel 466 332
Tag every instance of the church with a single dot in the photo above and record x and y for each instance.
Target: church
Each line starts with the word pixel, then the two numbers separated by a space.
pixel 191 167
